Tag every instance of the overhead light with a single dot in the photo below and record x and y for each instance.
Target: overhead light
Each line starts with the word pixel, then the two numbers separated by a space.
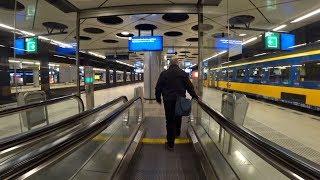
pixel 6 27
pixel 98 69
pixel 59 56
pixel 260 54
pixel 241 35
pixel 97 55
pixel 126 33
pixel 14 61
pixel 216 55
pixel 2 45
pixel 249 40
pixel 299 45
pixel 306 16
pixel 27 33
pixel 43 38
pixel 120 62
pixel 279 27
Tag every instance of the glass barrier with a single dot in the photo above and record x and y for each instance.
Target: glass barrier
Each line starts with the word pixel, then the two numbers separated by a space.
pixel 103 153
pixel 259 49
pixel 32 118
pixel 245 163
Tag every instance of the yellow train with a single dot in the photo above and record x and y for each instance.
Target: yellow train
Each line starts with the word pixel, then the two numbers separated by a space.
pixel 291 78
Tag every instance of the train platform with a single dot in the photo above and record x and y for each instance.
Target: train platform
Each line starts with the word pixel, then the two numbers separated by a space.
pixel 294 130
pixel 128 142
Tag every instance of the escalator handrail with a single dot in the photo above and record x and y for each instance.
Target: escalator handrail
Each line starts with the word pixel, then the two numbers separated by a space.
pixel 287 162
pixel 48 153
pixel 14 110
pixel 23 138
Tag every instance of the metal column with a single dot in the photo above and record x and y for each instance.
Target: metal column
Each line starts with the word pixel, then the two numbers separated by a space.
pixel 152 69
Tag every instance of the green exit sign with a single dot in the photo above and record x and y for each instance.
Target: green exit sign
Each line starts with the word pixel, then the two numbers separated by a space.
pixel 272 40
pixel 31 45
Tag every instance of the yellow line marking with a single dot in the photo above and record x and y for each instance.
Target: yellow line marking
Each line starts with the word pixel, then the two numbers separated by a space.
pixel 163 140
pixel 102 137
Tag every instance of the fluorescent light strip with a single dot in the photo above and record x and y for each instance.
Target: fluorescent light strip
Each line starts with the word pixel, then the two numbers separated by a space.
pixel 279 27
pixel 260 54
pixel 120 62
pixel 306 16
pixel 216 55
pixel 22 32
pixel 59 56
pixel 249 40
pixel 299 45
pixel 98 69
pixel 97 55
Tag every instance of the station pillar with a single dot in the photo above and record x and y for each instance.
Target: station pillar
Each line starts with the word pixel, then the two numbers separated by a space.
pixel 44 74
pixel 36 82
pixel 125 76
pixel 152 69
pixel 107 76
pixel 5 89
pixel 114 77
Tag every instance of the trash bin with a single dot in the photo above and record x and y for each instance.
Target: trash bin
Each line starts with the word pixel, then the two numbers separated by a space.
pixel 234 107
pixel 34 116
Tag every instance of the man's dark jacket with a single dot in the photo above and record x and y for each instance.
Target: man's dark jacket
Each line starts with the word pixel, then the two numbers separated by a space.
pixel 172 83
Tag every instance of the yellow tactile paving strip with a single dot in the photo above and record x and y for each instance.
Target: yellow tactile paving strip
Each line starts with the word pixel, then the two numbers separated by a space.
pixel 102 137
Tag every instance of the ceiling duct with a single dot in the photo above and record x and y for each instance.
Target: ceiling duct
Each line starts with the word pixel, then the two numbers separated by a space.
pixel 210 2
pixel 63 5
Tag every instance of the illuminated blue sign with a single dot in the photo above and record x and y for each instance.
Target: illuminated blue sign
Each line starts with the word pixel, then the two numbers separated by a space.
pixel 287 41
pixel 19 46
pixel 222 43
pixel 65 50
pixel 146 43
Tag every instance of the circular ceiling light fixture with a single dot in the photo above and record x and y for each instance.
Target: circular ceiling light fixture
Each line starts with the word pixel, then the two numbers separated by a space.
pixel 146 27
pixel 110 41
pixel 173 33
pixel 203 27
pixel 120 35
pixel 84 38
pixel 192 40
pixel 125 33
pixel 175 17
pixel 93 30
pixel 110 20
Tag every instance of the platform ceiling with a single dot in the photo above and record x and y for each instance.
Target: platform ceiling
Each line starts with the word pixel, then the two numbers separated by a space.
pixel 268 15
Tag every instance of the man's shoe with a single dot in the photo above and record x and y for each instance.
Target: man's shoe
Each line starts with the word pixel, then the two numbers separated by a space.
pixel 169 147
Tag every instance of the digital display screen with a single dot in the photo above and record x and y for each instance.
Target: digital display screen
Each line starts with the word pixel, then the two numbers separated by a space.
pixel 146 43
pixel 224 43
pixel 19 46
pixel 287 41
pixel 65 51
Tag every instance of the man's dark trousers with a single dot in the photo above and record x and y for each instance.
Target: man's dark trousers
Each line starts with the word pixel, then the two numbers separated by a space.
pixel 173 122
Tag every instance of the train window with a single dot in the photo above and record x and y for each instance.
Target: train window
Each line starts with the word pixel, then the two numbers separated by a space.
pixel 310 71
pixel 256 72
pixel 278 74
pixel 241 73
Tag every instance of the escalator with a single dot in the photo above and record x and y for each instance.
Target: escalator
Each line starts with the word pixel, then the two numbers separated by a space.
pixel 128 143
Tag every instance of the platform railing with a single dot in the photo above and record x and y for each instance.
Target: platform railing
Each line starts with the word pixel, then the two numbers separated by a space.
pixel 261 157
pixel 28 163
pixel 19 141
